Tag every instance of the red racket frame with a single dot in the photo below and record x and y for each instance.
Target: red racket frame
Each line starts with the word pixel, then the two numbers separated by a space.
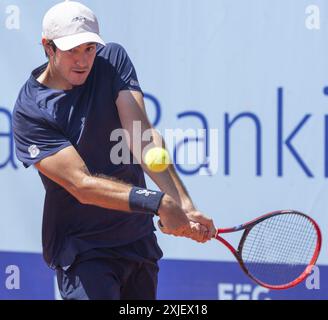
pixel 248 226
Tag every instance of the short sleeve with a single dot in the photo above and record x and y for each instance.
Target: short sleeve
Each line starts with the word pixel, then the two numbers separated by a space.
pixel 35 139
pixel 125 77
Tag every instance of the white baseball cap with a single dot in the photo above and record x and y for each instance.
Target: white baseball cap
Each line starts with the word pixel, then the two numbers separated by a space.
pixel 70 24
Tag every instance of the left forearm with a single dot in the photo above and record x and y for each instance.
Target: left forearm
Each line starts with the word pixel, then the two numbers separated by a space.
pixel 133 116
pixel 170 183
pixel 168 180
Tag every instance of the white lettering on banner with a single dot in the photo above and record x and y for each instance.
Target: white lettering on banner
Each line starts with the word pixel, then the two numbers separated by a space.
pixel 13 18
pixel 313 280
pixel 312 21
pixel 13 280
pixel 230 291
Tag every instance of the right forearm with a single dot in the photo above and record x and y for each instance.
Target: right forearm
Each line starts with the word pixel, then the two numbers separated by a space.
pixel 112 194
pixel 109 193
pixel 104 192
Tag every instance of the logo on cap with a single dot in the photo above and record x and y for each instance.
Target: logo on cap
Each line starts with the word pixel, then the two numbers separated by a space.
pixel 80 19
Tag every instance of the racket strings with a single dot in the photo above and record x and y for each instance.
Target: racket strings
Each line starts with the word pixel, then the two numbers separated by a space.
pixel 292 252
pixel 275 242
pixel 277 267
pixel 278 249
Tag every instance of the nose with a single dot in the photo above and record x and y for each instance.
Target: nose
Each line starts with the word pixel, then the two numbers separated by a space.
pixel 81 61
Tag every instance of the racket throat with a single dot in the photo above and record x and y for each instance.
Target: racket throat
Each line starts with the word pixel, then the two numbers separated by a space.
pixel 229 246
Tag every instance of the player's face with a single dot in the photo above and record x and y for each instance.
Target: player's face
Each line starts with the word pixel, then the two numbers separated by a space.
pixel 73 66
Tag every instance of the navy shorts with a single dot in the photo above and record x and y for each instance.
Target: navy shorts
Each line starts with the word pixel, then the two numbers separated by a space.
pixel 125 273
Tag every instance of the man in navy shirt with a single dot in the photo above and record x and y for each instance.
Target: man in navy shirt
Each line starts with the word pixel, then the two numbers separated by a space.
pixel 98 230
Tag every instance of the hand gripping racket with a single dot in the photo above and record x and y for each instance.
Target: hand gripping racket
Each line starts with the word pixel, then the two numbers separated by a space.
pixel 277 250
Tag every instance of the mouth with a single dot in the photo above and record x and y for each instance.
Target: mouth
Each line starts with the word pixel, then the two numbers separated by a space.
pixel 80 71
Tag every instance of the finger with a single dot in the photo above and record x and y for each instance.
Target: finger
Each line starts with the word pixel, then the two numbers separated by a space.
pixel 160 226
pixel 208 223
pixel 200 218
pixel 213 233
pixel 204 220
pixel 163 229
pixel 198 232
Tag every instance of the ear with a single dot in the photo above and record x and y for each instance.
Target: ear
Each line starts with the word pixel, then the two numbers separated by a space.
pixel 47 47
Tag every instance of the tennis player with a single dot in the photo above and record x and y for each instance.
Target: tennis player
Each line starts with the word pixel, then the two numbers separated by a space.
pixel 98 231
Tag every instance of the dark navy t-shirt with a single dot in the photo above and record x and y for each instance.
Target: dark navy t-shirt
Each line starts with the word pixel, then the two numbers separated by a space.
pixel 48 120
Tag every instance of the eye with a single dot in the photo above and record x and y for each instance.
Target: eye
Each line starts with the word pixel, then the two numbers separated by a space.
pixel 91 49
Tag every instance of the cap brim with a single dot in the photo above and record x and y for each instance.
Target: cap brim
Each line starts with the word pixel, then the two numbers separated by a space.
pixel 70 42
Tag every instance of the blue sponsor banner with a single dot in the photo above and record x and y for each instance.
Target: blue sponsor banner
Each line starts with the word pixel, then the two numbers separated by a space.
pixel 209 280
pixel 26 276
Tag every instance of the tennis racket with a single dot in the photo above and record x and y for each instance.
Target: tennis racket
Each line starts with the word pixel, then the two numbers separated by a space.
pixel 277 250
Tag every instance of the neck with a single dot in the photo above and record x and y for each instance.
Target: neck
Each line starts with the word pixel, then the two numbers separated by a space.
pixel 51 79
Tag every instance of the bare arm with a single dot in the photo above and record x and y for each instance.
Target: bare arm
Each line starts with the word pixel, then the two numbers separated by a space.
pixel 131 109
pixel 67 169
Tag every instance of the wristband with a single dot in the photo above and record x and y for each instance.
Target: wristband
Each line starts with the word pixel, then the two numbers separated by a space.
pixel 144 200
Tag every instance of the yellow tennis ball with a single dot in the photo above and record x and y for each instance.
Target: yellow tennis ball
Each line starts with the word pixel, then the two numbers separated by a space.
pixel 157 159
